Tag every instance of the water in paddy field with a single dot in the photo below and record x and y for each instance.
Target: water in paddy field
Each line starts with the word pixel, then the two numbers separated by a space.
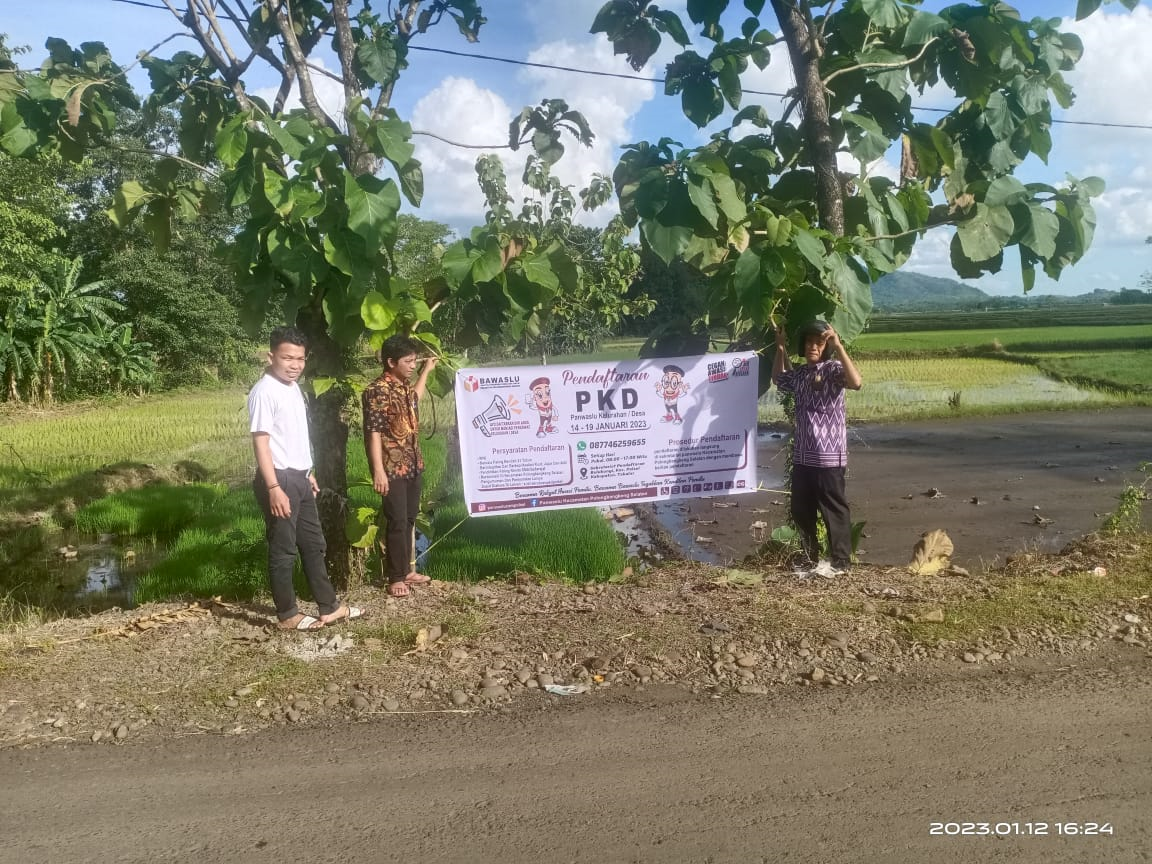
pixel 95 573
pixel 712 530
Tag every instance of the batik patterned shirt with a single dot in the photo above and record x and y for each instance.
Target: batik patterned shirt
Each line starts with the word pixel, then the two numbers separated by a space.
pixel 390 408
pixel 820 439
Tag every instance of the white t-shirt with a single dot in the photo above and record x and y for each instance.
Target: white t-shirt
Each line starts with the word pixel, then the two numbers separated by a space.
pixel 278 409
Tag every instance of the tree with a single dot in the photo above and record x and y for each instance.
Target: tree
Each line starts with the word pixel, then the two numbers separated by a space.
pixel 772 220
pixel 34 211
pixel 65 319
pixel 317 243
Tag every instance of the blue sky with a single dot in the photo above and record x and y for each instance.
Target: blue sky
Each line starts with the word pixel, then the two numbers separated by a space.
pixel 472 101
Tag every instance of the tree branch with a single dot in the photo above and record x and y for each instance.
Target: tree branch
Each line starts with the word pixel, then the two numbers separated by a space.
pixel 210 14
pixel 898 65
pixel 299 61
pixel 159 154
pixel 360 159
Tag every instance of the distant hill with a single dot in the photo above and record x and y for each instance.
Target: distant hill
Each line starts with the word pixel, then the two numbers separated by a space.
pixel 914 292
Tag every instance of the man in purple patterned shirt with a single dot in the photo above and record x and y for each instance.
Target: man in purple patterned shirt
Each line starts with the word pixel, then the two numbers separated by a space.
pixel 820 441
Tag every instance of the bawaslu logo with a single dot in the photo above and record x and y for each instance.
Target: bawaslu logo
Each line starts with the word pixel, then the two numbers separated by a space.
pixel 472 383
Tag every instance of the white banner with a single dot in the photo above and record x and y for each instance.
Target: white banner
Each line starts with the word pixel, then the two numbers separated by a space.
pixel 608 433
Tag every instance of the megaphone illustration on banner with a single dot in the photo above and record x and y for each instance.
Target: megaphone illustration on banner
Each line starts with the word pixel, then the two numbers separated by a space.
pixel 498 410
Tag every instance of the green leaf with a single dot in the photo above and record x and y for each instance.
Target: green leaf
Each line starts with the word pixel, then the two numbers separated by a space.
pixel 729 79
pixel 746 276
pixel 377 313
pixel 457 263
pixel 378 59
pixel 922 27
pixel 394 136
pixel 1041 231
pixel 754 6
pixel 754 114
pixel 855 294
pixel 867 140
pixel 1005 191
pixel 345 251
pixel 488 263
pixel 668 241
pixel 232 141
pixel 811 247
pixel 538 270
pixel 412 181
pixel 669 22
pixel 1091 186
pixel 129 197
pixel 360 527
pixel 984 235
pixel 887 14
pixel 732 205
pixel 372 207
pixel 158 221
pixel 702 102
pixel 1084 8
pixel 320 386
pixel 700 191
pixel 998 116
pixel 1032 92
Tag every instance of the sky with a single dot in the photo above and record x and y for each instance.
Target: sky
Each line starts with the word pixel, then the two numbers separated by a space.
pixel 472 101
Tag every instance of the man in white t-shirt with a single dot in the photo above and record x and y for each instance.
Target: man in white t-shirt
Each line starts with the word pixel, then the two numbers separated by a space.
pixel 285 488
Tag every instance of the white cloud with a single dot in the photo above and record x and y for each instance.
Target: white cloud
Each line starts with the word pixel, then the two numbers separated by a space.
pixel 329 93
pixel 460 110
pixel 608 104
pixel 1108 82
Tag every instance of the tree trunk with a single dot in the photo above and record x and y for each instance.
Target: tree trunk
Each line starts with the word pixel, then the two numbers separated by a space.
pixel 329 433
pixel 805 55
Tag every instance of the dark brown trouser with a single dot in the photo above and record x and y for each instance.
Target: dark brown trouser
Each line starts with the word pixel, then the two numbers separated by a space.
pixel 399 508
pixel 300 531
pixel 822 490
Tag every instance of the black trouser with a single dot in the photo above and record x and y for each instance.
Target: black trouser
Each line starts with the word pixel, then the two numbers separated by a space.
pixel 301 530
pixel 822 489
pixel 399 509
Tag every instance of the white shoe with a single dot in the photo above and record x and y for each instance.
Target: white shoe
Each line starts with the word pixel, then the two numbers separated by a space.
pixel 825 570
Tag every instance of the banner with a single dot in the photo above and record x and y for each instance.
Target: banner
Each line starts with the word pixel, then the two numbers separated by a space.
pixel 607 433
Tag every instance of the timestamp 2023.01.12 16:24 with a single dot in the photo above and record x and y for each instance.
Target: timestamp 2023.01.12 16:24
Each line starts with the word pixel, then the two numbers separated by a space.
pixel 1021 829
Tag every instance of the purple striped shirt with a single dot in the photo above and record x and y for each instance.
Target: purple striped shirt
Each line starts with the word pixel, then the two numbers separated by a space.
pixel 821 438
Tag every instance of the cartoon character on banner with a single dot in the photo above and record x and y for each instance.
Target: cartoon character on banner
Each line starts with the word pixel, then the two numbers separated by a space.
pixel 540 400
pixel 671 387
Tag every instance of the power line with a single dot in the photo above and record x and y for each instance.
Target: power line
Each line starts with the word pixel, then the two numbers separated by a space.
pixel 623 75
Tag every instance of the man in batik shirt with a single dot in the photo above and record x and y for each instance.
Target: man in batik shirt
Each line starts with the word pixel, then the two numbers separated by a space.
pixel 391 437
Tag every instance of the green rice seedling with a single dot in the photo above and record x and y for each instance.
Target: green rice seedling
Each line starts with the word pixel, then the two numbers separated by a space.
pixel 204 426
pixel 157 510
pixel 1124 370
pixel 575 544
pixel 1129 336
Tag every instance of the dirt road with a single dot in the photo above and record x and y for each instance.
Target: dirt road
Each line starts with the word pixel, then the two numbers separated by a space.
pixel 661 776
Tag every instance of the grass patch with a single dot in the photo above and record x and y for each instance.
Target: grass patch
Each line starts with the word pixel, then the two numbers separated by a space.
pixel 575 544
pixel 157 510
pixel 208 427
pixel 1127 370
pixel 1038 599
pixel 223 553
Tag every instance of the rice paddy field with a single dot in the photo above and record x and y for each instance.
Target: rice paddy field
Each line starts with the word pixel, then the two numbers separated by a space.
pixel 1099 338
pixel 908 387
pixel 198 533
pixel 208 427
